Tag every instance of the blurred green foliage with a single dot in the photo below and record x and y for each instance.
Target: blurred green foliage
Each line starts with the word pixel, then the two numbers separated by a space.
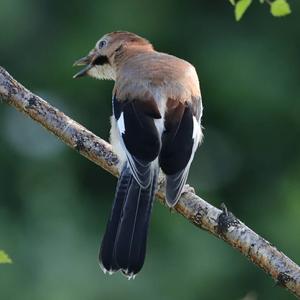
pixel 54 203
pixel 240 8
pixel 4 258
pixel 278 8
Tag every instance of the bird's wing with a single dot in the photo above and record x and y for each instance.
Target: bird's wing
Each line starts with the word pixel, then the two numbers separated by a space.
pixel 139 136
pixel 179 142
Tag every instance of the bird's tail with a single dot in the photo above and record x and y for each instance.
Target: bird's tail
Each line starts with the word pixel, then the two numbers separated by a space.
pixel 124 242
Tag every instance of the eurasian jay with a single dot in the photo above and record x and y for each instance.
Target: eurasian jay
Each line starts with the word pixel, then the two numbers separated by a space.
pixel 156 123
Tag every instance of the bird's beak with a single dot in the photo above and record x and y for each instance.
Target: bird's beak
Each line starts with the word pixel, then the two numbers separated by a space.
pixel 84 61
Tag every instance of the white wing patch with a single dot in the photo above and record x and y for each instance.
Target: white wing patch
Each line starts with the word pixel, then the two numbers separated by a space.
pixel 197 132
pixel 121 124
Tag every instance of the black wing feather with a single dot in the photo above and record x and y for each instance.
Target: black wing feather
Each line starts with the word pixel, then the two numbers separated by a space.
pixel 139 136
pixel 179 144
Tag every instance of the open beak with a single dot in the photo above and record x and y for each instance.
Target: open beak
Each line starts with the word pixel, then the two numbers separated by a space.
pixel 84 61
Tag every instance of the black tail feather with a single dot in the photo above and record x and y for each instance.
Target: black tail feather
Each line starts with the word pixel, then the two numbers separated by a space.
pixel 124 243
pixel 106 256
pixel 132 237
pixel 127 225
pixel 139 243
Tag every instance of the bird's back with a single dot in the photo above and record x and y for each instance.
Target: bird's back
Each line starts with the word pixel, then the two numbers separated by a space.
pixel 155 72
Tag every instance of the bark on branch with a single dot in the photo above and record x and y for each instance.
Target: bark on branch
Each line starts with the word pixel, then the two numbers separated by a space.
pixel 220 223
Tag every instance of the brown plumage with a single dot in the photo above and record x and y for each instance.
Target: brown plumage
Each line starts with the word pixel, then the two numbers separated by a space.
pixel 155 124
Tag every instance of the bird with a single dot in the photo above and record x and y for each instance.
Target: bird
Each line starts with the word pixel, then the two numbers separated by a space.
pixel 155 125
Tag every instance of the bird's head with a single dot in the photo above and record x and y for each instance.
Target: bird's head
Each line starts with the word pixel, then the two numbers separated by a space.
pixel 109 52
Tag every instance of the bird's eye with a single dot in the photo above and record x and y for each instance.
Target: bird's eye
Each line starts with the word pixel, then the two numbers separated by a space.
pixel 101 44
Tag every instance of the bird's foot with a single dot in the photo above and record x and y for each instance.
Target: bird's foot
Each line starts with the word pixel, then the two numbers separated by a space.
pixel 226 220
pixel 188 189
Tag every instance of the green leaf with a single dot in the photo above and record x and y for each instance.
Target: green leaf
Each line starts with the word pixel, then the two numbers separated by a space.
pixel 261 1
pixel 280 8
pixel 4 258
pixel 240 8
pixel 232 2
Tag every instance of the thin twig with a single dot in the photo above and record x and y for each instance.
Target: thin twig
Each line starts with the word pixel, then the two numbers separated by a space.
pixel 221 223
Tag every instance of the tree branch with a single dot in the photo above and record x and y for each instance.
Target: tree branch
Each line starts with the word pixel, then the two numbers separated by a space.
pixel 220 223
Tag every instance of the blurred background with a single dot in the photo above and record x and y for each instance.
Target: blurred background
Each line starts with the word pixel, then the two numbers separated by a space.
pixel 54 203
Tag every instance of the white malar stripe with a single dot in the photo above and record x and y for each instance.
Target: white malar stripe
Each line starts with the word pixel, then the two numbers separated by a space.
pixel 121 124
pixel 103 72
